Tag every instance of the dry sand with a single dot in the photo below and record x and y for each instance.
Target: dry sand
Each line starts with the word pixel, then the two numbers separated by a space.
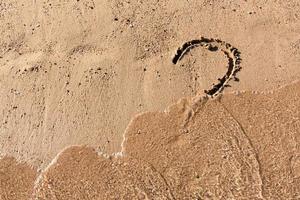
pixel 81 72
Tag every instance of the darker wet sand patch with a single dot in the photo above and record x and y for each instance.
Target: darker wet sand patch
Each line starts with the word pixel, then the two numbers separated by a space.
pixel 16 179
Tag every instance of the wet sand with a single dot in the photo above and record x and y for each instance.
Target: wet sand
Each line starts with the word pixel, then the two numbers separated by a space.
pixel 76 75
pixel 16 179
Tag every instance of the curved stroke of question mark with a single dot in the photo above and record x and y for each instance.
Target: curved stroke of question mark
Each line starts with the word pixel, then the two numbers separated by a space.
pixel 232 53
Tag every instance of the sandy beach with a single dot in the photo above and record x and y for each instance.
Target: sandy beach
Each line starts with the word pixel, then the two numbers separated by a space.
pixel 110 99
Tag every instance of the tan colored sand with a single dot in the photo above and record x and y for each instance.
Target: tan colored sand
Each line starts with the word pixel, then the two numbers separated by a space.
pixel 16 180
pixel 72 72
pixel 272 124
pixel 217 152
pixel 83 174
pixel 77 72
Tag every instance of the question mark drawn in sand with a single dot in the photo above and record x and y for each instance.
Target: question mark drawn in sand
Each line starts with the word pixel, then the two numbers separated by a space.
pixel 231 53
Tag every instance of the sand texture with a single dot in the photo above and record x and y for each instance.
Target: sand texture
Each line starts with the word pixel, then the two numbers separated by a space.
pixel 16 180
pixel 200 151
pixel 157 99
